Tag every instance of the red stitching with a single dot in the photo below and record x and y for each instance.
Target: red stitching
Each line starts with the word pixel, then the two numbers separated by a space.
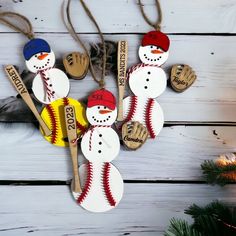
pixel 148 118
pixel 88 183
pixel 52 116
pixel 132 110
pixel 106 184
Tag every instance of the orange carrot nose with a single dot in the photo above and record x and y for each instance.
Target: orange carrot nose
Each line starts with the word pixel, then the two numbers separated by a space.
pixel 156 51
pixel 41 57
pixel 104 111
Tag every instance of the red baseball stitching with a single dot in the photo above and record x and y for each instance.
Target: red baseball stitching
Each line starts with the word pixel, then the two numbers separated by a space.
pixel 88 183
pixel 79 126
pixel 106 184
pixel 132 110
pixel 148 118
pixel 52 116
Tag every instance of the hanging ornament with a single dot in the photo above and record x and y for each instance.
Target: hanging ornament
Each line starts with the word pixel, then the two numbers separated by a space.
pixel 101 182
pixel 147 80
pixel 49 83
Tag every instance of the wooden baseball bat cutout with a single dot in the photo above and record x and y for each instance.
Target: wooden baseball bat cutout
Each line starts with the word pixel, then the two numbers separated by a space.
pixel 72 137
pixel 19 85
pixel 122 57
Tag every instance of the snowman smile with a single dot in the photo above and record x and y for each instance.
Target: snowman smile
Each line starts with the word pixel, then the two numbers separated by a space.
pixel 101 121
pixel 152 59
pixel 43 66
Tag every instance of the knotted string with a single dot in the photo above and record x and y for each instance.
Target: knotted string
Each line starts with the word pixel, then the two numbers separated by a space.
pixel 26 28
pixel 71 30
pixel 156 25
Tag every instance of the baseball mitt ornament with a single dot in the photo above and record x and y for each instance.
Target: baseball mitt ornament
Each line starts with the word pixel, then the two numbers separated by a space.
pixel 147 80
pixel 49 83
pixel 101 183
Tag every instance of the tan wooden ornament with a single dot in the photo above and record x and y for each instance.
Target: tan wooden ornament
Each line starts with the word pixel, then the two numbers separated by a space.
pixel 134 135
pixel 72 137
pixel 19 85
pixel 76 64
pixel 182 77
pixel 122 58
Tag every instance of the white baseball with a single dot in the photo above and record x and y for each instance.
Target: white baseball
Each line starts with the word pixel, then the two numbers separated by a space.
pixel 95 199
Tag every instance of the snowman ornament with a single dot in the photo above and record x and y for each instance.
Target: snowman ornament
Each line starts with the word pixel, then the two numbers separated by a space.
pixel 101 181
pixel 49 83
pixel 147 81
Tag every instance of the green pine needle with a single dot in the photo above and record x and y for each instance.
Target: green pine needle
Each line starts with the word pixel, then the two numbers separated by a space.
pixel 215 219
pixel 181 228
pixel 213 173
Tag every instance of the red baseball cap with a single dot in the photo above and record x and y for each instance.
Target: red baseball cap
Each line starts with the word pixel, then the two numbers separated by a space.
pixel 102 97
pixel 156 38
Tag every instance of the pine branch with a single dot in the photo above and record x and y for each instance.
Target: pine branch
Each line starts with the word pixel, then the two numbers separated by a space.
pixel 215 219
pixel 181 228
pixel 216 173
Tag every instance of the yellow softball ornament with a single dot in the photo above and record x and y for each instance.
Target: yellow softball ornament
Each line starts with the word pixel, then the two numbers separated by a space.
pixel 53 116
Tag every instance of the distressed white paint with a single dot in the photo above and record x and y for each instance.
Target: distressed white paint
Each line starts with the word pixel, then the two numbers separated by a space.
pixel 144 210
pixel 182 16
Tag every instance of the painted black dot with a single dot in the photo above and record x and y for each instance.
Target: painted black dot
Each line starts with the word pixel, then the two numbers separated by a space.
pixel 104 120
pixel 50 85
pixel 99 151
pixel 34 66
pixel 160 56
pixel 145 87
pixel 93 117
pixel 109 116
pixel 149 72
pixel 100 121
pixel 107 119
pixel 100 135
pixel 53 92
pixel 151 60
pixel 100 143
pixel 147 79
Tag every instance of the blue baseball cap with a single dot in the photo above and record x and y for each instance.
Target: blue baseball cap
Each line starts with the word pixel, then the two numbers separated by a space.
pixel 35 46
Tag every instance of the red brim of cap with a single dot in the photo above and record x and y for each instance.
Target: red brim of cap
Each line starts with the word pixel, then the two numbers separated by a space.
pixel 104 103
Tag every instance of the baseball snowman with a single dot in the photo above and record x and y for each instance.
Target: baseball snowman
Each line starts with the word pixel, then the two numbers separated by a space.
pixel 147 81
pixel 50 83
pixel 101 182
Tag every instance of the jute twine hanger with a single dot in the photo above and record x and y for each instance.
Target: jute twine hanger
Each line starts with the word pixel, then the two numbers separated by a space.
pixel 156 25
pixel 26 28
pixel 71 30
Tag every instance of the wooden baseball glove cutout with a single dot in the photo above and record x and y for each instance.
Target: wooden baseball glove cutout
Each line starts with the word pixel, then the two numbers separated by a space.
pixel 76 64
pixel 134 135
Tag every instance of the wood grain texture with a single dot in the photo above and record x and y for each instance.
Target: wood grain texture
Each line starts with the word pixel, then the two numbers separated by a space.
pixel 145 209
pixel 175 155
pixel 212 95
pixel 182 16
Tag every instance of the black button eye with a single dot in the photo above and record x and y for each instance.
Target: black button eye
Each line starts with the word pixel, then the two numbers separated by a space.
pixel 151 47
pixel 98 107
pixel 35 55
pixel 105 107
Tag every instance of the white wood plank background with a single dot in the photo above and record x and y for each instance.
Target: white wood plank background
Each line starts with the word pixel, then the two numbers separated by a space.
pixel 202 35
pixel 144 210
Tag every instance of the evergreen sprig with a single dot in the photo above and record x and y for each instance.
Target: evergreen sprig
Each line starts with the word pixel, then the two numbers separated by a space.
pixel 219 174
pixel 215 219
